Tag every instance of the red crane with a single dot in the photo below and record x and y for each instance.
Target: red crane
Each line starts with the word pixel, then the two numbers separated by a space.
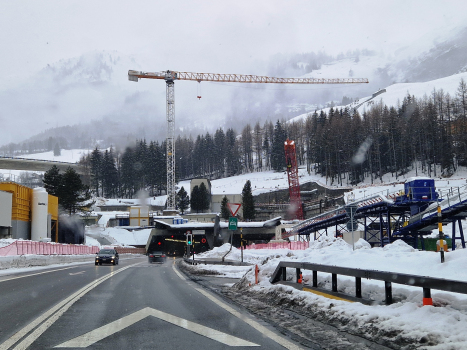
pixel 292 174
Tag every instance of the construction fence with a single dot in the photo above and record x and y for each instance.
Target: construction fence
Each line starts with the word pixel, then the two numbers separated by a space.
pixel 280 245
pixel 21 247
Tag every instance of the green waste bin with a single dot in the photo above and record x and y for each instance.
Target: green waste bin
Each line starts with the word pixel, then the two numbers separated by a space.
pixel 430 243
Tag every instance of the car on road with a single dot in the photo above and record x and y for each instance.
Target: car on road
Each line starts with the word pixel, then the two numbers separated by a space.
pixel 107 256
pixel 157 256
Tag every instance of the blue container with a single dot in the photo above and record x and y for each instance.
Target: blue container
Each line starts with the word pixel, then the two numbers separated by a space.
pixel 420 189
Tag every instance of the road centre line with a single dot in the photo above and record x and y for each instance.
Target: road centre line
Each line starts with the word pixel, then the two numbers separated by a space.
pixel 53 313
pixel 263 330
pixel 39 273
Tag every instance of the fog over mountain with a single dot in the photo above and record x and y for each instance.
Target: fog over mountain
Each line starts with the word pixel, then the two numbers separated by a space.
pixel 88 99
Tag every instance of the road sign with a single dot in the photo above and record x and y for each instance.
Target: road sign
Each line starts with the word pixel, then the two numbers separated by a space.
pixel 233 207
pixel 233 223
pixel 352 225
pixel 350 209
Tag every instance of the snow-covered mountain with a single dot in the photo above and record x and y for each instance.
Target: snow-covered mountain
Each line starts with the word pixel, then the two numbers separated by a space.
pixel 90 98
pixel 394 94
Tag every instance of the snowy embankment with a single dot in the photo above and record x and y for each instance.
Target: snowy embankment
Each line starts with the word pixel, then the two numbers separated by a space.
pixel 33 261
pixel 441 326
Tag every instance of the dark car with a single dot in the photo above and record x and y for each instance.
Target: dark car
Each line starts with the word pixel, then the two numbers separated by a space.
pixel 157 256
pixel 109 256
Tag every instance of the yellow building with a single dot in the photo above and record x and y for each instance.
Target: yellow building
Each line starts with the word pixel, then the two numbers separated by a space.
pixel 21 208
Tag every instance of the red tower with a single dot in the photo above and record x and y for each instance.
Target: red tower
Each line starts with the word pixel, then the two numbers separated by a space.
pixel 292 173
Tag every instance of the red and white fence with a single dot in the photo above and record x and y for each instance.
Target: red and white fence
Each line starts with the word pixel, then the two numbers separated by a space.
pixel 44 248
pixel 282 245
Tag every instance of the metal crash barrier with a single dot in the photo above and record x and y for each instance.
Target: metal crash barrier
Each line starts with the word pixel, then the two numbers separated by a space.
pixel 427 283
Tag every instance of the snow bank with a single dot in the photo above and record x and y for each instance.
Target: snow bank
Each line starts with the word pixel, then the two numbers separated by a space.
pixel 443 323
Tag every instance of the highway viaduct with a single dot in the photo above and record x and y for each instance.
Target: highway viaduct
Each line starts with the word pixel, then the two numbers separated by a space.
pixel 26 164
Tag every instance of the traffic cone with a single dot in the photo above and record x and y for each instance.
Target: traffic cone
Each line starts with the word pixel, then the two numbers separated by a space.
pixel 427 301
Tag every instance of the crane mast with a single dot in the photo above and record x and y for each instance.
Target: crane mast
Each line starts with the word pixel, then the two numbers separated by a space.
pixel 170 76
pixel 170 112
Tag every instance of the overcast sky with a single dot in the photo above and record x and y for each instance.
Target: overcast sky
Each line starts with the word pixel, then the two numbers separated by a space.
pixel 209 36
pixel 213 36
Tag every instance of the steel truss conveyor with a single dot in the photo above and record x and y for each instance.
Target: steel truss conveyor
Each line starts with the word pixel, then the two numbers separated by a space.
pixel 383 219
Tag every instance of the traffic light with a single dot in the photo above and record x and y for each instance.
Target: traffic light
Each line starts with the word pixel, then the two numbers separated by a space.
pixel 189 239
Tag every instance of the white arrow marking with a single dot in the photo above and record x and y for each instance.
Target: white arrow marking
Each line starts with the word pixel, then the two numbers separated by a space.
pixel 98 334
pixel 76 273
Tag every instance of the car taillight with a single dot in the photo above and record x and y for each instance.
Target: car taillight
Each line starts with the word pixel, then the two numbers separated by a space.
pixel 163 256
pixel 151 256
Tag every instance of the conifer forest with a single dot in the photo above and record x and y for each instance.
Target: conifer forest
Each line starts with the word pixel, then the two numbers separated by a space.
pixel 428 134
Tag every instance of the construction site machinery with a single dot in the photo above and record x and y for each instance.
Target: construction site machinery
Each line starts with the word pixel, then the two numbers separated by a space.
pixel 292 174
pixel 170 76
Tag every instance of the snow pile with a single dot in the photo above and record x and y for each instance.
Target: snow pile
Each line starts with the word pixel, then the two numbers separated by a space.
pixel 6 242
pixel 405 319
pixel 90 241
pixel 331 243
pixel 117 236
pixel 125 237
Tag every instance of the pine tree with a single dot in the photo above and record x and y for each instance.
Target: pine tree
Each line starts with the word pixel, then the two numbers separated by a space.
pixel 73 194
pixel 219 151
pixel 52 181
pixel 109 174
pixel 96 169
pixel 225 213
pixel 195 199
pixel 57 151
pixel 248 202
pixel 183 201
pixel 205 197
pixel 277 152
pixel 232 154
pixel 127 176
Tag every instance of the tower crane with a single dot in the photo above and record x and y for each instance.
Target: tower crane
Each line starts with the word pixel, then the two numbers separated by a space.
pixel 170 76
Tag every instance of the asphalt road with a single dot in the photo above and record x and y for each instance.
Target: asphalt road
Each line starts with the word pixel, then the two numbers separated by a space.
pixel 134 305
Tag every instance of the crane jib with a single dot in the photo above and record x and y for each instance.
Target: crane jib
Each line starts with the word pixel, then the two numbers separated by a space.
pixel 240 78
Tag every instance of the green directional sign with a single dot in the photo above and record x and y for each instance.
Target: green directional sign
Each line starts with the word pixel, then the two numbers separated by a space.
pixel 233 223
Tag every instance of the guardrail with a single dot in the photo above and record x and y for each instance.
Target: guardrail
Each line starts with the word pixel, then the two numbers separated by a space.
pixel 427 283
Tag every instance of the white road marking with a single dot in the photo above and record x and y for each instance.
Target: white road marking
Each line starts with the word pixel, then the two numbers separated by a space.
pixel 178 273
pixel 39 273
pixel 100 333
pixel 77 273
pixel 263 330
pixel 50 316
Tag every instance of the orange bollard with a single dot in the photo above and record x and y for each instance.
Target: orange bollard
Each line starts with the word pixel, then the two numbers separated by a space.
pixel 300 280
pixel 427 301
pixel 256 274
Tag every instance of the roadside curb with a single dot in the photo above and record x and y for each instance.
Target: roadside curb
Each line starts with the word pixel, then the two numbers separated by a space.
pixel 215 262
